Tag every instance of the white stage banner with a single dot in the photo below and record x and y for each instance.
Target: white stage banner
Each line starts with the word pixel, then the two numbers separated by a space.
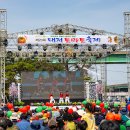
pixel 67 39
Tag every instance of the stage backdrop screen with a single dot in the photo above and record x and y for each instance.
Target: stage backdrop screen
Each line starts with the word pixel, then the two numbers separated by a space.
pixel 38 85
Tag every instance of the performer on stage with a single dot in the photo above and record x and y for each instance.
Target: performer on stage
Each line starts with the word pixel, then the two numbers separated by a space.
pixel 52 100
pixel 61 100
pixel 67 97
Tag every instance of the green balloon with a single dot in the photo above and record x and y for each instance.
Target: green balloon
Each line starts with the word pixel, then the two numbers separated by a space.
pixel 82 108
pixel 9 113
pixel 84 102
pixel 98 102
pixel 39 109
pixel 122 127
pixel 106 106
pixel 115 105
pixel 21 106
pixel 49 109
pixel 44 107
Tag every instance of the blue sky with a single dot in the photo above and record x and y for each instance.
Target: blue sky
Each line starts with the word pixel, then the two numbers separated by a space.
pixel 99 14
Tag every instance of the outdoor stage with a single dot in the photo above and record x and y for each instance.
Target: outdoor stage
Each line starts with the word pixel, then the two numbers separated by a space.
pixel 47 100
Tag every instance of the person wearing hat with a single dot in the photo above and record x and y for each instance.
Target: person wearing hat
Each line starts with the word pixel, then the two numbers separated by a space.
pixel 124 116
pixel 109 125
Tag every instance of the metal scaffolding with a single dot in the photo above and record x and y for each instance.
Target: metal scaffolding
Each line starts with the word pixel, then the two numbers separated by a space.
pixel 3 40
pixel 127 41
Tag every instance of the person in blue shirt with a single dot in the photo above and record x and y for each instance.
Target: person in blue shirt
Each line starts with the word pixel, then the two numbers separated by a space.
pixel 23 124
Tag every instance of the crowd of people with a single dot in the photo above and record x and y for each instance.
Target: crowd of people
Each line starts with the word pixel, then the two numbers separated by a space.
pixel 89 116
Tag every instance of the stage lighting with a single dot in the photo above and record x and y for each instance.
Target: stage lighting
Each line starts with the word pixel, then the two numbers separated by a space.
pixel 17 54
pixel 75 46
pixel 82 53
pixel 59 46
pixel 89 48
pixel 53 54
pixel 104 46
pixel 44 54
pixel 19 48
pixel 59 60
pixel 32 58
pixel 113 48
pixel 9 54
pixel 5 42
pixel 44 48
pixel 74 55
pixel 108 52
pixel 100 55
pixel 35 53
pixel 29 46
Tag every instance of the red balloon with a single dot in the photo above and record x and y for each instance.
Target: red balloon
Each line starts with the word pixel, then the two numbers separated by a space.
pixel 47 103
pixel 93 104
pixel 10 105
pixel 101 104
pixel 128 107
pixel 103 110
pixel 70 111
pixel 20 109
pixel 51 104
pixel 28 107
pixel 24 110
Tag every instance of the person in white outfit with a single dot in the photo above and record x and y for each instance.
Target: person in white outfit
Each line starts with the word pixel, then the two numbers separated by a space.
pixel 67 97
pixel 52 100
pixel 61 100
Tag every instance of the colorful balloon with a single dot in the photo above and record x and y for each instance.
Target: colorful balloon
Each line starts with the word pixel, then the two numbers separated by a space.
pixel 39 109
pixel 98 102
pixel 44 107
pixel 9 114
pixel 128 107
pixel 24 110
pixel 28 107
pixel 101 104
pixel 70 111
pixel 9 105
pixel 84 102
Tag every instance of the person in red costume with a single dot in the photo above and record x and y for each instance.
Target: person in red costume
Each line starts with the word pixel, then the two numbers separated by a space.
pixel 61 100
pixel 67 97
pixel 52 100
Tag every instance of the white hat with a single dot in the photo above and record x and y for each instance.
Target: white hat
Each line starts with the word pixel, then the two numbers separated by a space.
pixel 81 112
pixel 15 116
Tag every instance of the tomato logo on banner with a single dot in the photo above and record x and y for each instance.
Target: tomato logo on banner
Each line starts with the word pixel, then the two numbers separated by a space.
pixel 22 39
